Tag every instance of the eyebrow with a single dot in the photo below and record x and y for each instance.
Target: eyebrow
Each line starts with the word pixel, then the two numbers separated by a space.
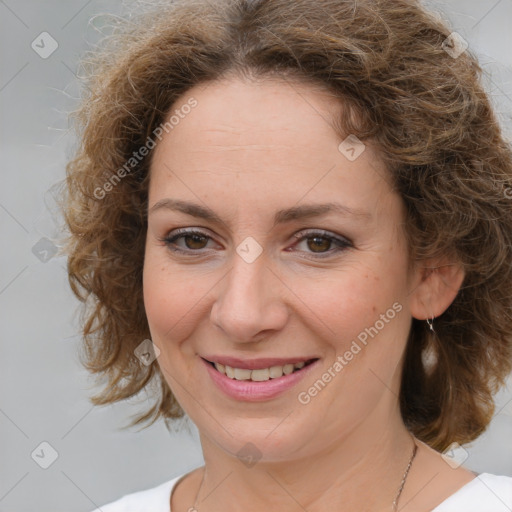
pixel 287 215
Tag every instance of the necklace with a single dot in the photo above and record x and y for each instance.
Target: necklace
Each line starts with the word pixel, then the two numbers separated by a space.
pixel 404 478
pixel 395 501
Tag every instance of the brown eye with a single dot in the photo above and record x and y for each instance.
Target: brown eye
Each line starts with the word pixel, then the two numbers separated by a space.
pixel 319 243
pixel 195 241
pixel 187 241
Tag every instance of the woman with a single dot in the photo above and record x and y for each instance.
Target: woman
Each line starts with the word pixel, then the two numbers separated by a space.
pixel 294 216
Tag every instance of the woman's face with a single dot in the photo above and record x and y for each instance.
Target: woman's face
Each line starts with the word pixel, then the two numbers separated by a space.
pixel 246 267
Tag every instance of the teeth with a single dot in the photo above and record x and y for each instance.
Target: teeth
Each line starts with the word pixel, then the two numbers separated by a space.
pixel 230 372
pixel 242 374
pixel 260 375
pixel 276 372
pixel 287 369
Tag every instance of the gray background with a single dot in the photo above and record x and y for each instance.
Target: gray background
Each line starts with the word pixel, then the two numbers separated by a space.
pixel 43 389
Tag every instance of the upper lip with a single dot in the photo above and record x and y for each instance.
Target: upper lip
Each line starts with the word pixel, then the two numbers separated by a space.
pixel 256 364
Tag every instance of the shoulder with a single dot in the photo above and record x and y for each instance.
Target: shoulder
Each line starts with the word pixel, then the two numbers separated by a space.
pixel 156 499
pixel 492 493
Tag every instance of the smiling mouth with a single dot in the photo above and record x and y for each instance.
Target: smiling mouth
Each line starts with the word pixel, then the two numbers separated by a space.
pixel 261 374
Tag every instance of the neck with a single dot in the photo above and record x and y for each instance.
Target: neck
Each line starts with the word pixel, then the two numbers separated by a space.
pixel 360 471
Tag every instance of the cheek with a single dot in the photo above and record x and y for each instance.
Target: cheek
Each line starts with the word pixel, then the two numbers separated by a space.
pixel 365 312
pixel 350 301
pixel 171 298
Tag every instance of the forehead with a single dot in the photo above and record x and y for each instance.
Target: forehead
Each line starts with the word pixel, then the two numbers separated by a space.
pixel 268 111
pixel 272 138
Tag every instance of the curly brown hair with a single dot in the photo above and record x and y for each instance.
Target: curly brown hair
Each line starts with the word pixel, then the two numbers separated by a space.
pixel 423 107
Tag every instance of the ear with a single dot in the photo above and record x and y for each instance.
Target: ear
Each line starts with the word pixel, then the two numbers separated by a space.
pixel 437 283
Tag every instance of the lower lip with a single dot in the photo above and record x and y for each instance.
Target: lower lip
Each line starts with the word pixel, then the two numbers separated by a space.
pixel 250 391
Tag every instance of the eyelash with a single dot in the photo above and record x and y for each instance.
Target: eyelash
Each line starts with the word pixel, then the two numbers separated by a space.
pixel 342 243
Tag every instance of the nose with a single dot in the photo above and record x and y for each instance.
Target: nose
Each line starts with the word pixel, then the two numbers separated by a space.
pixel 250 301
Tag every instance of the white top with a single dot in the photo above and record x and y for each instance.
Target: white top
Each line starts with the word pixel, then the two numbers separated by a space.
pixel 489 493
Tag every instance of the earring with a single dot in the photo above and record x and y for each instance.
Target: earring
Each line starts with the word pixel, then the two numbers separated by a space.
pixel 429 357
pixel 431 324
